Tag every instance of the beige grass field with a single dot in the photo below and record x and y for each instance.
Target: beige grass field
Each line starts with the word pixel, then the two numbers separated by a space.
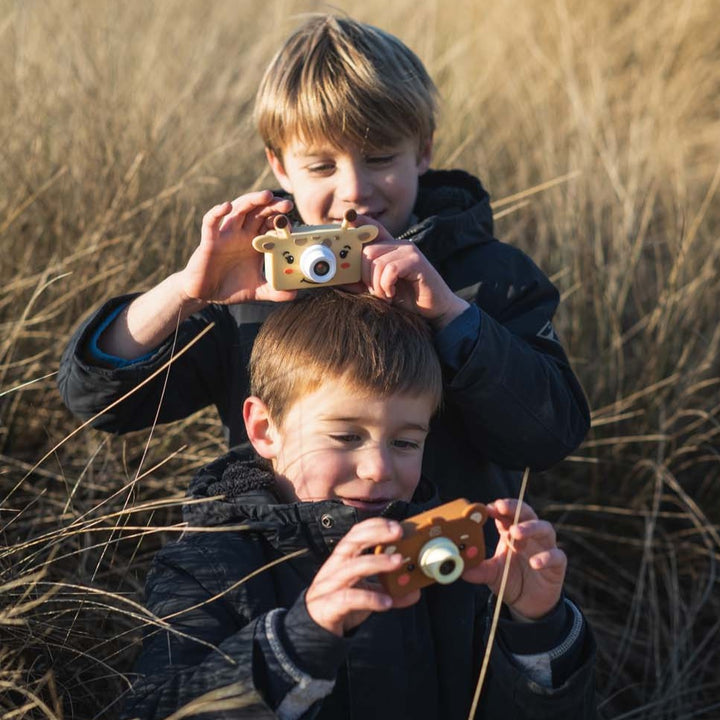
pixel 596 128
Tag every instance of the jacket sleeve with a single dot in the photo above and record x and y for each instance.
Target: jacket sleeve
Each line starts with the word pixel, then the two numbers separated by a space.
pixel 89 386
pixel 214 649
pixel 536 673
pixel 507 374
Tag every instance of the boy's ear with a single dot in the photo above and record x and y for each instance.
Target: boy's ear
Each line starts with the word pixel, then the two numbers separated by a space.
pixel 425 156
pixel 278 170
pixel 260 428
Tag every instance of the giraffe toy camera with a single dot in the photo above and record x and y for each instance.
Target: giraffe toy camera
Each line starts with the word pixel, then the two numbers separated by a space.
pixel 316 255
pixel 437 546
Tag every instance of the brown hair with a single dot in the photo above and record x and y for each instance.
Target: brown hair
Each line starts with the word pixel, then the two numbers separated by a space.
pixel 371 345
pixel 337 80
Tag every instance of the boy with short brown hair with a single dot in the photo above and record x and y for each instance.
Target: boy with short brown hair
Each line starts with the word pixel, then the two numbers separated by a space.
pixel 345 83
pixel 347 115
pixel 327 337
pixel 268 606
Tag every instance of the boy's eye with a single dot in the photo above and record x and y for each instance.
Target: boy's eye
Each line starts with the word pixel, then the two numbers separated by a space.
pixel 379 159
pixel 321 168
pixel 407 444
pixel 346 437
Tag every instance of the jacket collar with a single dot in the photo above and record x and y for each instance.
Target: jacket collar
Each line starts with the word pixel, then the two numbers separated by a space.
pixel 239 489
pixel 454 213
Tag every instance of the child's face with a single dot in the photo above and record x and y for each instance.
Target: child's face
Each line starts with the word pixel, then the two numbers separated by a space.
pixel 326 181
pixel 363 450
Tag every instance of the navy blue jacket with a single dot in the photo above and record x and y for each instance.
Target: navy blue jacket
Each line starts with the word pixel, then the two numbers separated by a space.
pixel 511 398
pixel 251 641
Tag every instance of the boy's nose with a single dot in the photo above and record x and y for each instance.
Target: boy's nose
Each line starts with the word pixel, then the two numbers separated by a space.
pixel 374 464
pixel 354 186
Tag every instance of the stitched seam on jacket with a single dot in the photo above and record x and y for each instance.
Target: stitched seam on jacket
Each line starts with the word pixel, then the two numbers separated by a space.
pixel 285 662
pixel 573 635
pixel 307 690
pixel 538 666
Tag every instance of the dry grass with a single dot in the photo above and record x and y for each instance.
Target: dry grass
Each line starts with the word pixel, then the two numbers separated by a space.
pixel 121 123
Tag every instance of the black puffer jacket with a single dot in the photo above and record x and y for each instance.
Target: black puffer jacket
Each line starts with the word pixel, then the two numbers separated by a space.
pixel 511 398
pixel 250 640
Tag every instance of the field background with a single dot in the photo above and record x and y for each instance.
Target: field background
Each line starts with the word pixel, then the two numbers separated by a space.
pixel 596 128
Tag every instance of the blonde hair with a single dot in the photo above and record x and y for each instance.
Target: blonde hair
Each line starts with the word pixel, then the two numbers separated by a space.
pixel 337 80
pixel 371 346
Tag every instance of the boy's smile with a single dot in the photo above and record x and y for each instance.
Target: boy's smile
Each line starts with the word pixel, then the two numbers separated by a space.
pixel 326 181
pixel 363 450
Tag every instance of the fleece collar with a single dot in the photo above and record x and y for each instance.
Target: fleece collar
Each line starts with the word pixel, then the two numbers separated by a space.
pixel 239 489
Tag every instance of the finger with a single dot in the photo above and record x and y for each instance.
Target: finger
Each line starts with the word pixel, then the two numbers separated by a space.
pixel 345 609
pixel 265 291
pixel 339 570
pixel 259 220
pixel 372 263
pixel 387 280
pixel 348 563
pixel 254 222
pixel 554 559
pixel 341 603
pixel 248 201
pixel 539 532
pixel 254 208
pixel 277 206
pixel 507 507
pixel 367 267
pixel 399 263
pixel 367 534
pixel 337 573
pixel 378 267
pixel 213 217
pixel 504 510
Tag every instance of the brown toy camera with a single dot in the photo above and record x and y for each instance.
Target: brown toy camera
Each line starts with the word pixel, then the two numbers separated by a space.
pixel 316 255
pixel 437 546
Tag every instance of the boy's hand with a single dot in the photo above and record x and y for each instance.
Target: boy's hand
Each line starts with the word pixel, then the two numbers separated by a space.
pixel 397 271
pixel 225 268
pixel 537 568
pixel 341 595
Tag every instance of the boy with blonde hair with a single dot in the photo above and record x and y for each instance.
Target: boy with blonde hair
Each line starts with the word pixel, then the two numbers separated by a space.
pixel 269 604
pixel 347 114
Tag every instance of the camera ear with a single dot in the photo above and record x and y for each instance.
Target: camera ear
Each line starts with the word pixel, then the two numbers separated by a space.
pixel 264 243
pixel 476 512
pixel 366 233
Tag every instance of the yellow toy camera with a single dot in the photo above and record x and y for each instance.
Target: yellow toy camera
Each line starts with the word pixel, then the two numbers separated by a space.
pixel 316 255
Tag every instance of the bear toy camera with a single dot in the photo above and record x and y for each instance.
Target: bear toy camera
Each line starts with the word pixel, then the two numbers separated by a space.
pixel 316 255
pixel 437 546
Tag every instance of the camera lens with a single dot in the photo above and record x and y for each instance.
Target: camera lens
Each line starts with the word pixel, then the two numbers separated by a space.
pixel 440 560
pixel 318 263
pixel 447 567
pixel 321 268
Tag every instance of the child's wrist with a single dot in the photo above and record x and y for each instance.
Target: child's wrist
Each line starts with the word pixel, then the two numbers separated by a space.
pixel 455 308
pixel 517 616
pixel 188 304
